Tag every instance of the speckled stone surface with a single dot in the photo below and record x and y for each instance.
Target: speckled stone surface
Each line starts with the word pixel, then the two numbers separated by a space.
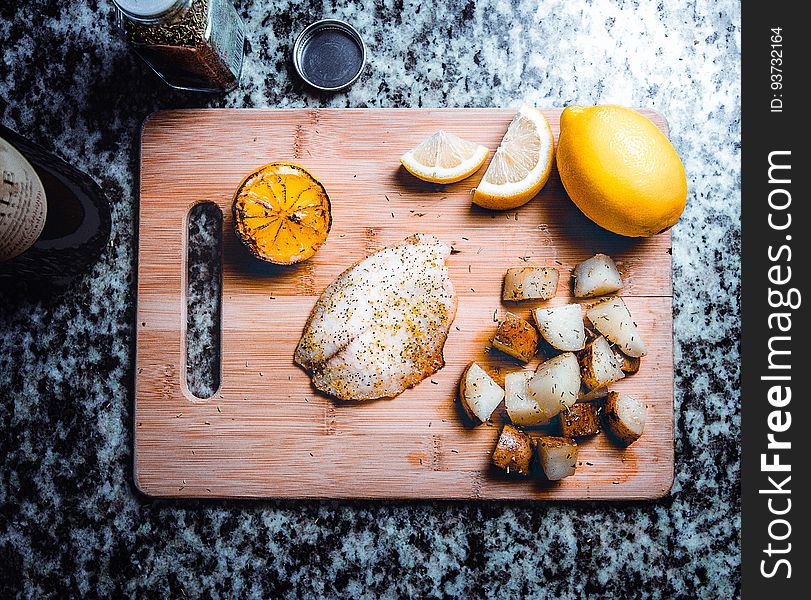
pixel 71 524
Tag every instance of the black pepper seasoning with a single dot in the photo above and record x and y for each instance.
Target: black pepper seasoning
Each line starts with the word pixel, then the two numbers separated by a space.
pixel 191 44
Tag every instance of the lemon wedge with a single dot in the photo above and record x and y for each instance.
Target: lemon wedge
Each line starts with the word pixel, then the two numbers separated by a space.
pixel 521 165
pixel 444 158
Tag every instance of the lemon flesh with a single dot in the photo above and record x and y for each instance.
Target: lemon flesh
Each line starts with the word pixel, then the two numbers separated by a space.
pixel 444 158
pixel 521 165
pixel 282 213
pixel 620 170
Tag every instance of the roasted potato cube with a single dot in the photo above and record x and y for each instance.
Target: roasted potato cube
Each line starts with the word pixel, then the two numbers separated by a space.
pixel 555 384
pixel 516 337
pixel 589 395
pixel 596 276
pixel 562 326
pixel 530 283
pixel 629 364
pixel 599 365
pixel 478 393
pixel 558 456
pixel 625 417
pixel 521 408
pixel 612 318
pixel 580 420
pixel 513 451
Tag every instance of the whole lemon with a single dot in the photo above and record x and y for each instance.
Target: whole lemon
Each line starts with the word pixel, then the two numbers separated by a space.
pixel 620 170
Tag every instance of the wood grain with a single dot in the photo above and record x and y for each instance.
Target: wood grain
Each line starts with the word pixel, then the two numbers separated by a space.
pixel 266 432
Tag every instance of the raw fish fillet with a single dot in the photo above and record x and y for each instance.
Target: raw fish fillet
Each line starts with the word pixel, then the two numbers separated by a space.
pixel 380 327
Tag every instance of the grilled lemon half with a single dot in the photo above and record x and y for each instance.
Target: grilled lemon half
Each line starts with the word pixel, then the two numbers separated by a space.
pixel 282 213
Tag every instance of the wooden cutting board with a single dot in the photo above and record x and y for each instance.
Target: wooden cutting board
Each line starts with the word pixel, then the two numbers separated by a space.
pixel 267 432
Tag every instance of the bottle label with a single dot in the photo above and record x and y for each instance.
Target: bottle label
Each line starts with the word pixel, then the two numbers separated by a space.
pixel 227 34
pixel 22 203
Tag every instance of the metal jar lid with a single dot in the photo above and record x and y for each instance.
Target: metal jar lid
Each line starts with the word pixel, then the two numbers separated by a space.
pixel 151 11
pixel 329 55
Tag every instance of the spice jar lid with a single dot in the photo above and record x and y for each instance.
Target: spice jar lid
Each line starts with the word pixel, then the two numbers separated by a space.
pixel 329 55
pixel 150 11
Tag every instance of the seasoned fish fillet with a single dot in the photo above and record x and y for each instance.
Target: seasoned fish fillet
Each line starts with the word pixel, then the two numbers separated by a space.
pixel 380 327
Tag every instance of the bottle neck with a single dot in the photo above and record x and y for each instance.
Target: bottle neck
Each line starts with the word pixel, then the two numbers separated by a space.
pixel 151 12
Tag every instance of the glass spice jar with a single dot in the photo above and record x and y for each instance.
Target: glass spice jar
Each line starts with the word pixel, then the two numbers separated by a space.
pixel 191 44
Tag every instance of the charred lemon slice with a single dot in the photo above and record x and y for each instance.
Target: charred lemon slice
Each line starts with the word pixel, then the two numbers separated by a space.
pixel 282 213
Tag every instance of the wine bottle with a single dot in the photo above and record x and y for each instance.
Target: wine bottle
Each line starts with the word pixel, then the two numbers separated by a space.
pixel 54 219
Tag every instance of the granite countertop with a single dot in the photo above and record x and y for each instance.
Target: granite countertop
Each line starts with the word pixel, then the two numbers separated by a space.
pixel 71 523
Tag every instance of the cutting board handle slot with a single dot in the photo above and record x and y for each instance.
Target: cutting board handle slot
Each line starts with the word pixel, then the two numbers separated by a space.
pixel 202 361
